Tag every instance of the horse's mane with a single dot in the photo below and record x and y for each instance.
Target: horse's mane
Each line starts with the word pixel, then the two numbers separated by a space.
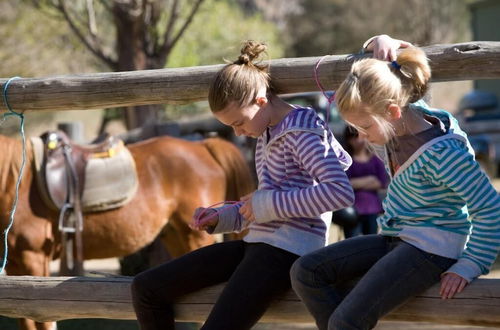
pixel 10 161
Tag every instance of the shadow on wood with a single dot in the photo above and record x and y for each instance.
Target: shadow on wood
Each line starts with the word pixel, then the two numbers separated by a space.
pixel 59 298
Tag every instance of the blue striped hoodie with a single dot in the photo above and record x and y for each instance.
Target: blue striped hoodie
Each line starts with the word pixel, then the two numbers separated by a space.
pixel 301 173
pixel 440 201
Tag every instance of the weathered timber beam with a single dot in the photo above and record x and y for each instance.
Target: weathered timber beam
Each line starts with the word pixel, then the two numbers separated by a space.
pixel 59 298
pixel 466 61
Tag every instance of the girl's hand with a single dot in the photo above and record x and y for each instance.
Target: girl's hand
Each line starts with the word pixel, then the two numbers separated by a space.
pixel 367 182
pixel 246 209
pixel 384 47
pixel 451 284
pixel 209 218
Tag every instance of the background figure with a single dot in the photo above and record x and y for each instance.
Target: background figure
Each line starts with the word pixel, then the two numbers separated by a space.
pixel 368 178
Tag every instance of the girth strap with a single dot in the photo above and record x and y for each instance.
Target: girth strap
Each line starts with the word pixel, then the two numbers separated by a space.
pixel 71 220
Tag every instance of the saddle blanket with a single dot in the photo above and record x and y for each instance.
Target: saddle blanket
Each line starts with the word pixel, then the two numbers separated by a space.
pixel 110 182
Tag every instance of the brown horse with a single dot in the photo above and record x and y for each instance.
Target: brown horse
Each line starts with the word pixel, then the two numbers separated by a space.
pixel 175 177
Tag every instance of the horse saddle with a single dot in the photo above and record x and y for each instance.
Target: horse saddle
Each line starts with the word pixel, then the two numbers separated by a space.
pixel 99 177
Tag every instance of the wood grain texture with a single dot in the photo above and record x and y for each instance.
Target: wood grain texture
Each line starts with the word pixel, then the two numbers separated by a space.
pixel 466 61
pixel 60 298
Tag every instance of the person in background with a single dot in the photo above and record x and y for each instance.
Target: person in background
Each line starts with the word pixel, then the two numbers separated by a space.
pixel 368 178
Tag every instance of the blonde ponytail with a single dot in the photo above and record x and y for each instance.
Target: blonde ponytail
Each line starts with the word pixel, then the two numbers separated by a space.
pixel 415 72
pixel 374 84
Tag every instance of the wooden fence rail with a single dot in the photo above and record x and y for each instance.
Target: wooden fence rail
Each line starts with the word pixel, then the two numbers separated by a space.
pixel 59 298
pixel 467 61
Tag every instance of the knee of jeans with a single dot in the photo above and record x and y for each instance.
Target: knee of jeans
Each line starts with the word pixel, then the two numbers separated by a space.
pixel 346 318
pixel 303 271
pixel 341 320
pixel 139 288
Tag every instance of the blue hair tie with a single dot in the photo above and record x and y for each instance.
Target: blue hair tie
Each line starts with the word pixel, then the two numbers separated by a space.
pixel 396 65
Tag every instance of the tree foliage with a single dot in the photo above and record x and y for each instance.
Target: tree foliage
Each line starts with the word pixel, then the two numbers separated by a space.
pixel 210 42
pixel 35 45
pixel 61 36
pixel 142 36
pixel 341 26
pixel 151 34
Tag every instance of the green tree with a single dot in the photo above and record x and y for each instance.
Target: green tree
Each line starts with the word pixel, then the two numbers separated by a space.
pixel 141 36
pixel 35 45
pixel 210 42
pixel 340 26
pixel 152 34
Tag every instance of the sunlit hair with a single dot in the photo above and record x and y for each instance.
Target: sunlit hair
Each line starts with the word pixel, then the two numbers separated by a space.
pixel 374 84
pixel 241 80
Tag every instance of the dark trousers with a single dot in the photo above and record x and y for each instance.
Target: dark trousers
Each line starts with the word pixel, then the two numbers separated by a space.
pixel 391 271
pixel 256 273
pixel 367 224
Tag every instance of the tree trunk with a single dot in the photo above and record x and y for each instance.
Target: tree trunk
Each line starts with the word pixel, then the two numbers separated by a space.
pixel 131 49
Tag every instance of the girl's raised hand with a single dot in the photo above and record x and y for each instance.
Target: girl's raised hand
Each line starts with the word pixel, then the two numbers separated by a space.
pixel 204 218
pixel 385 47
pixel 451 284
pixel 246 209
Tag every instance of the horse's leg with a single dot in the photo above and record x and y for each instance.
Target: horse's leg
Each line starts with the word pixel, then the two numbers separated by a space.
pixel 35 264
pixel 31 255
pixel 180 239
pixel 30 325
pixel 177 236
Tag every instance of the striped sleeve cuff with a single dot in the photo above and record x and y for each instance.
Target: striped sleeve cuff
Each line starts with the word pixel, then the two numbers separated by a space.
pixel 466 268
pixel 262 206
pixel 228 220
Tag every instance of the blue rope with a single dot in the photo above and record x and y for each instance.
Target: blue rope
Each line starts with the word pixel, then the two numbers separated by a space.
pixel 16 197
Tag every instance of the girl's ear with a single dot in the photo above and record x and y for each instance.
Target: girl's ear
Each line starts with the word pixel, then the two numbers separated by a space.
pixel 394 111
pixel 261 101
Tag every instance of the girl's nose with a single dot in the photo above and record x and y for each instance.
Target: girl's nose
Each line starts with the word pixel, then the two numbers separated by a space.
pixel 237 131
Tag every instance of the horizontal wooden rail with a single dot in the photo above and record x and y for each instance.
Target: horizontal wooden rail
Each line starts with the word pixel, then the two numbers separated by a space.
pixel 467 61
pixel 59 298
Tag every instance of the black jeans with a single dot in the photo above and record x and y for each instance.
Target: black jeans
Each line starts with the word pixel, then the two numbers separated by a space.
pixel 367 225
pixel 390 269
pixel 256 273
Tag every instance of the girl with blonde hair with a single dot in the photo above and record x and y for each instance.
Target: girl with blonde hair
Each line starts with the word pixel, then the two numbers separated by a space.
pixel 441 218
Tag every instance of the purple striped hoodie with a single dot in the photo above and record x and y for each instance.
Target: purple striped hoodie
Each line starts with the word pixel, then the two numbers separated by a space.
pixel 301 171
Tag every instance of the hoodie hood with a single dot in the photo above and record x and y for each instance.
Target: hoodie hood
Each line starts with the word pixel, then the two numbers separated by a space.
pixel 306 120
